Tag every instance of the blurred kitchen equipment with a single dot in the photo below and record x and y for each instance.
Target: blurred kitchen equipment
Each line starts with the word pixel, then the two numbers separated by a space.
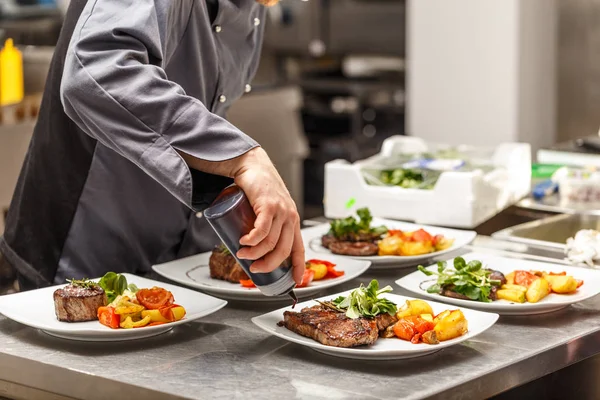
pixel 231 216
pixel 11 74
pixel 36 63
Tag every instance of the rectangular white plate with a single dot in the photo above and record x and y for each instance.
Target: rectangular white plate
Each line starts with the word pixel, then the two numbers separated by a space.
pixel 383 349
pixel 312 240
pixel 591 286
pixel 194 272
pixel 35 308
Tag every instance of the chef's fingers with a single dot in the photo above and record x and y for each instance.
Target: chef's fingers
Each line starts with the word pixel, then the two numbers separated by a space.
pixel 267 245
pixel 281 252
pixel 262 228
pixel 297 255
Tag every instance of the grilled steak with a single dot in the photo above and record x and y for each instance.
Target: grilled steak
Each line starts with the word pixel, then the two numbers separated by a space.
pixel 385 320
pixel 333 328
pixel 78 304
pixel 224 266
pixel 354 248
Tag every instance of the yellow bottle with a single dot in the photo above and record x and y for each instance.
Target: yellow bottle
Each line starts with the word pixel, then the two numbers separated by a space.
pixel 11 74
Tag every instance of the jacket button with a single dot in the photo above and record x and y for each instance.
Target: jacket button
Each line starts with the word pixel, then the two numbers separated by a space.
pixel 247 88
pixel 222 98
pixel 218 28
pixel 256 22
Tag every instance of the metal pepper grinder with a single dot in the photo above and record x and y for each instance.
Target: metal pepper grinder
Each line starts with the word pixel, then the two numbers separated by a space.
pixel 232 216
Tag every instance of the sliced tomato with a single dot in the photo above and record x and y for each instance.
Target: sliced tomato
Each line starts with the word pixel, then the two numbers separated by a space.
pixel 167 313
pixel 307 278
pixel 579 283
pixel 108 317
pixel 525 278
pixel 404 329
pixel 326 263
pixel 333 273
pixel 247 283
pixel 421 325
pixel 422 236
pixel 154 298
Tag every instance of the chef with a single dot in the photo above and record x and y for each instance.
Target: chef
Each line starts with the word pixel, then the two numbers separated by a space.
pixel 131 142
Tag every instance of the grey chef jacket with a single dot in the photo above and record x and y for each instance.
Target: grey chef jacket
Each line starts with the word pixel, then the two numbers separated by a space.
pixel 132 81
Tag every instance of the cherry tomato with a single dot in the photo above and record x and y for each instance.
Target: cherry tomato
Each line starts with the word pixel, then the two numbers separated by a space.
pixel 307 278
pixel 247 283
pixel 421 325
pixel 154 298
pixel 404 329
pixel 108 317
pixel 524 278
pixel 422 236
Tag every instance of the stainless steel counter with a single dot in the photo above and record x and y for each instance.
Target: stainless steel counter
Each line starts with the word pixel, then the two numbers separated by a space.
pixel 226 356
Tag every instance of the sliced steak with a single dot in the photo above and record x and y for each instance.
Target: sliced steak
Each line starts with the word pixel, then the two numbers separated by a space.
pixel 331 328
pixel 326 240
pixel 78 304
pixel 224 266
pixel 449 292
pixel 354 248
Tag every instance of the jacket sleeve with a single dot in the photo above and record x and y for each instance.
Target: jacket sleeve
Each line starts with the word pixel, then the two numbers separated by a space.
pixel 115 89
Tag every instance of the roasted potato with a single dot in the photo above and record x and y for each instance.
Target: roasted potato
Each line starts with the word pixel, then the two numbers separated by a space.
pixel 561 284
pixel 390 246
pixel 441 316
pixel 319 269
pixel 427 317
pixel 451 326
pixel 510 278
pixel 414 307
pixel 538 289
pixel 416 248
pixel 515 296
pixel 515 287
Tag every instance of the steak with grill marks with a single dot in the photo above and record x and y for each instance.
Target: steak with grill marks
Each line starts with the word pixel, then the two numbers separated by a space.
pixel 224 266
pixel 78 304
pixel 333 328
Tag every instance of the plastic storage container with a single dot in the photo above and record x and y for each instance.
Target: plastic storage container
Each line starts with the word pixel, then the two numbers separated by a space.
pixel 460 198
pixel 578 187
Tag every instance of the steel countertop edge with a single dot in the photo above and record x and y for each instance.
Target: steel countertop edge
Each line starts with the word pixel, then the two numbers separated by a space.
pixel 225 356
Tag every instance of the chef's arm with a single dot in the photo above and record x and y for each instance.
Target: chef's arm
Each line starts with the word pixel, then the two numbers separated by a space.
pixel 115 89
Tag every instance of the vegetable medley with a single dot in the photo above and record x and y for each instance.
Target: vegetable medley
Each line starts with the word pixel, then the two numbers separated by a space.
pixel 401 243
pixel 130 307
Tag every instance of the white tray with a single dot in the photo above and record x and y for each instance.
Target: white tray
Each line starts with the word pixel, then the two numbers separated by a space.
pixel 459 199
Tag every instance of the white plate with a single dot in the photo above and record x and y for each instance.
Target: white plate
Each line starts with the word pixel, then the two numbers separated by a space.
pixel 383 349
pixel 552 302
pixel 194 272
pixel 312 239
pixel 35 308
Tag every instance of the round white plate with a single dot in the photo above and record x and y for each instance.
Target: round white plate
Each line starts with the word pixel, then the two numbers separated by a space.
pixel 383 349
pixel 35 308
pixel 312 240
pixel 194 272
pixel 417 282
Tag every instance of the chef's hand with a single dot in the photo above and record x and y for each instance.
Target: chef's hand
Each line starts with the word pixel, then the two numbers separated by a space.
pixel 276 234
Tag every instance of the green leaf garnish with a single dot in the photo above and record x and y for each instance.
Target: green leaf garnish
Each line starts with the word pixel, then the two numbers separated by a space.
pixel 350 225
pixel 365 302
pixel 83 283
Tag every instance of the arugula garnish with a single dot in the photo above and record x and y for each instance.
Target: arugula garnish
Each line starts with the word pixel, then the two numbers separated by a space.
pixel 365 302
pixel 351 225
pixel 224 250
pixel 469 279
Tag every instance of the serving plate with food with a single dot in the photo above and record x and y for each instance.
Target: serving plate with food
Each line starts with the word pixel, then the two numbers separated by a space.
pixel 386 243
pixel 503 285
pixel 218 273
pixel 370 323
pixel 112 308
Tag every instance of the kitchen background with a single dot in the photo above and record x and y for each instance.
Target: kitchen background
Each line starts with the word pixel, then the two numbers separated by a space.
pixel 338 77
